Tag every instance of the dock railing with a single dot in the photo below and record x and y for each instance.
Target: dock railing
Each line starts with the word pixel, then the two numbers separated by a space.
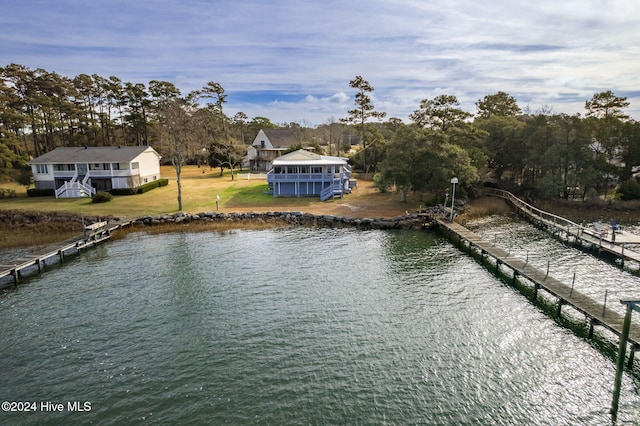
pixel 557 221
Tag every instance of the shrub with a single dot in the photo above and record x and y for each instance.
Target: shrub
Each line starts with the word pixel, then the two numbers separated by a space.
pixel 101 197
pixel 151 185
pixel 40 192
pixel 122 191
pixel 630 190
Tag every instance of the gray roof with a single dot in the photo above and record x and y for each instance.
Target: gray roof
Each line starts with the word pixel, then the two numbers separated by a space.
pixel 107 154
pixel 281 138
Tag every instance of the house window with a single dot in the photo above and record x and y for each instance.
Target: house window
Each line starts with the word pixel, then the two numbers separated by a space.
pixel 304 170
pixel 135 166
pixel 42 168
pixel 316 169
pixel 262 144
pixel 292 170
pixel 115 166
pixel 71 167
pixel 106 166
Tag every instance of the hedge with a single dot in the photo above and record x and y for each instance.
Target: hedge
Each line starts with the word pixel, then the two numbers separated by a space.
pixel 141 189
pixel 40 192
pixel 101 197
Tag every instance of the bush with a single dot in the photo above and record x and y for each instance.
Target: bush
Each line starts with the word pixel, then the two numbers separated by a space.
pixel 40 192
pixel 122 191
pixel 101 197
pixel 630 190
pixel 151 185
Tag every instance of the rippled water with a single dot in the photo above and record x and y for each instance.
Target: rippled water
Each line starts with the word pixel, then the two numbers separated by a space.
pixel 294 326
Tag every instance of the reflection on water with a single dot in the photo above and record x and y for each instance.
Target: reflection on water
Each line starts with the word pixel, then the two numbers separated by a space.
pixel 296 326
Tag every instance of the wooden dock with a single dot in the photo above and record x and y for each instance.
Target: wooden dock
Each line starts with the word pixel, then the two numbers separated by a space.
pixel 604 240
pixel 596 313
pixel 93 235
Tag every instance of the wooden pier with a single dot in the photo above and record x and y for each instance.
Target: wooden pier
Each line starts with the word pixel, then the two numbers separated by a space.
pixel 615 243
pixel 596 313
pixel 93 235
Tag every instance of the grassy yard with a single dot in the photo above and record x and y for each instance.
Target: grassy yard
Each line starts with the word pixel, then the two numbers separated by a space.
pixel 201 187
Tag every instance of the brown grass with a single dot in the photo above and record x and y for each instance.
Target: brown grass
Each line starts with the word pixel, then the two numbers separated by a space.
pixel 35 235
pixel 485 206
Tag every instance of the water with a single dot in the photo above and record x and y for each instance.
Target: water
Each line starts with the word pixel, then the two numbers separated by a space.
pixel 294 326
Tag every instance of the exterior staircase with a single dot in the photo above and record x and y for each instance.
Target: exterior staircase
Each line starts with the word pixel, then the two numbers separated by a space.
pixel 75 188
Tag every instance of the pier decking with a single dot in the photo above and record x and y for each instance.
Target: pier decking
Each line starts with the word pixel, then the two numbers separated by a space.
pixel 614 243
pixel 566 295
pixel 93 235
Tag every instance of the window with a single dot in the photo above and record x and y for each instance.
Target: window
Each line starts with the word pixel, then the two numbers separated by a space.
pixel 42 168
pixel 106 166
pixel 71 167
pixel 135 166
pixel 115 166
pixel 304 170
pixel 316 169
pixel 292 170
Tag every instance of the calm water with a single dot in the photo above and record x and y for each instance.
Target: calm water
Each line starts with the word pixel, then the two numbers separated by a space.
pixel 296 326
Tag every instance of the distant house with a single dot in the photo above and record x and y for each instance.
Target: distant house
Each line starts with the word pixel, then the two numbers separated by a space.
pixel 81 171
pixel 303 174
pixel 268 145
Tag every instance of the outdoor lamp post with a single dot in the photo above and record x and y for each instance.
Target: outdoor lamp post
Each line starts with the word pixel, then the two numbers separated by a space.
pixel 453 195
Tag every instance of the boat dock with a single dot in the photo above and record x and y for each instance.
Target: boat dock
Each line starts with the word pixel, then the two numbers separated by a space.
pixel 614 242
pixel 596 313
pixel 93 235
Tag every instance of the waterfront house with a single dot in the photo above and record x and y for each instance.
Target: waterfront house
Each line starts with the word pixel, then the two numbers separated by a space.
pixel 81 171
pixel 268 145
pixel 303 174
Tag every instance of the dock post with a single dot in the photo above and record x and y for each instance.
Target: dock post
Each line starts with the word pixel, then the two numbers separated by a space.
pixel 620 364
pixel 16 276
pixel 548 264
pixel 572 283
pixel 591 325
pixel 604 307
pixel 515 276
pixel 498 266
pixel 39 263
pixel 61 254
pixel 535 291
pixel 634 348
pixel 559 308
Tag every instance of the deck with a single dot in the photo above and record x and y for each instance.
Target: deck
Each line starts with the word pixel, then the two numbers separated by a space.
pixel 565 294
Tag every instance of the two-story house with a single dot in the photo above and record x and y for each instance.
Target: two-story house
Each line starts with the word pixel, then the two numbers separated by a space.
pixel 81 171
pixel 303 174
pixel 268 145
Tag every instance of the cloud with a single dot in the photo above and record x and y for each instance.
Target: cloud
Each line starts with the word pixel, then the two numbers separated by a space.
pixel 290 60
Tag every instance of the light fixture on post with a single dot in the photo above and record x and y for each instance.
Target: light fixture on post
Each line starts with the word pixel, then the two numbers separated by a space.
pixel 453 195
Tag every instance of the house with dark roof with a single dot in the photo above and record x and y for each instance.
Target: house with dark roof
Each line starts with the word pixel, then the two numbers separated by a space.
pixel 74 172
pixel 306 174
pixel 268 145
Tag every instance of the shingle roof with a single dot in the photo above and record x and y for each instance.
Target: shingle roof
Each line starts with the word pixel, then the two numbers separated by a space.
pixel 105 154
pixel 281 138
pixel 303 157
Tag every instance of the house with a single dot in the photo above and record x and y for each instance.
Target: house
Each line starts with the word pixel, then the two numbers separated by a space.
pixel 302 174
pixel 268 145
pixel 81 171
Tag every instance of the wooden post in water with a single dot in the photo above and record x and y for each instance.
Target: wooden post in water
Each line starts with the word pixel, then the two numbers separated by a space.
pixel 535 291
pixel 632 353
pixel 572 283
pixel 606 292
pixel 622 349
pixel 61 254
pixel 559 308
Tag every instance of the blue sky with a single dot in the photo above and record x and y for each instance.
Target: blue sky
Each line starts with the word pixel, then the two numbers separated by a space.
pixel 292 60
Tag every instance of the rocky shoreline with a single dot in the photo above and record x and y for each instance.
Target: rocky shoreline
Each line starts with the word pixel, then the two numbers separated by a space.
pixel 408 221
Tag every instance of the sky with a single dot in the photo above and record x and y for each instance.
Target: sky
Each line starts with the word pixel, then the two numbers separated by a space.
pixel 292 60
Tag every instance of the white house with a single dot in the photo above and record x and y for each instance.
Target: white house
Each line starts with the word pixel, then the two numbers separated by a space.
pixel 81 171
pixel 268 145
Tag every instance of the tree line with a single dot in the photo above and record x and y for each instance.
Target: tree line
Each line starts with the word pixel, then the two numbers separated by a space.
pixel 547 154
pixel 553 154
